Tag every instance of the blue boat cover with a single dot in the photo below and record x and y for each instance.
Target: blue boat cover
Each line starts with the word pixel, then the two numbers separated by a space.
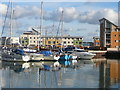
pixel 65 57
pixel 46 53
pixel 19 51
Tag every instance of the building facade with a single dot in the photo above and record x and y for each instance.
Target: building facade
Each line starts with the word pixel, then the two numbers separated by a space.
pixel 30 38
pixel 7 41
pixel 106 27
pixel 88 44
pixel 115 38
pixel 33 38
pixel 96 41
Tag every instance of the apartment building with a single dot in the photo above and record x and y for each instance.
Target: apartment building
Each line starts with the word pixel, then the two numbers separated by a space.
pixel 33 38
pixel 115 38
pixel 106 27
pixel 10 41
pixel 96 41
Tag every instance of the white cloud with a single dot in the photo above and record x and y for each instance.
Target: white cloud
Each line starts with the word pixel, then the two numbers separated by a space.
pixel 26 11
pixel 92 17
pixel 20 12
pixel 70 14
pixel 1 22
pixel 3 9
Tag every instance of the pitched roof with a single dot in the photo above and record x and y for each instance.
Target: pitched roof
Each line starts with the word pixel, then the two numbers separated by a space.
pixel 107 21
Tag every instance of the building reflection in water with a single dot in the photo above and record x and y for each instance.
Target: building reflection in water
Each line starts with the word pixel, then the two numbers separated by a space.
pixel 109 73
pixel 27 75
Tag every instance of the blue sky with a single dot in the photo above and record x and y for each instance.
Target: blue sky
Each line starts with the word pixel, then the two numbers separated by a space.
pixel 80 18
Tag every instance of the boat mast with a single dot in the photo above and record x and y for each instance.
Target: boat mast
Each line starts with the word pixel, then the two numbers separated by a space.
pixel 41 17
pixel 1 33
pixel 11 17
pixel 3 26
pixel 62 29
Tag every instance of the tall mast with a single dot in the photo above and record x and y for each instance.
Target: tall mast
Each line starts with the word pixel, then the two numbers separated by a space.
pixel 41 17
pixel 62 23
pixel 11 17
pixel 1 32
pixel 119 13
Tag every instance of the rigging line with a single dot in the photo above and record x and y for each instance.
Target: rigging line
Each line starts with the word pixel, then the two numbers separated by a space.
pixel 59 26
pixel 5 19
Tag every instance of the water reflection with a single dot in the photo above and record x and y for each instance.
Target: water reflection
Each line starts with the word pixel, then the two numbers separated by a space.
pixel 109 73
pixel 88 74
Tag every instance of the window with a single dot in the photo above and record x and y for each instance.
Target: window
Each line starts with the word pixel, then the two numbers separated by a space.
pixel 68 38
pixel 25 37
pixel 34 37
pixel 97 43
pixel 49 42
pixel 115 35
pixel 53 42
pixel 64 42
pixel 68 42
pixel 107 35
pixel 80 43
pixel 30 37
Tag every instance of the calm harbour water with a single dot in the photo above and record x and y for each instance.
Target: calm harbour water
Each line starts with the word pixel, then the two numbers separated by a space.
pixel 89 74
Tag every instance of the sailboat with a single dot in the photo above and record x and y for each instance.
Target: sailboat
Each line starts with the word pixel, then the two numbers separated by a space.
pixel 65 58
pixel 10 53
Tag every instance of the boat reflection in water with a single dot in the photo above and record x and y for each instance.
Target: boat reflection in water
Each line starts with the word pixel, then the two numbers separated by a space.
pixel 88 74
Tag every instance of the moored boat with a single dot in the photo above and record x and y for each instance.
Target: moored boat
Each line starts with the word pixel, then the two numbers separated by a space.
pixel 82 54
pixel 9 54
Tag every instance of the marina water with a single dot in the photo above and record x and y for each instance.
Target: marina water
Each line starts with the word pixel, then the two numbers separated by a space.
pixel 95 73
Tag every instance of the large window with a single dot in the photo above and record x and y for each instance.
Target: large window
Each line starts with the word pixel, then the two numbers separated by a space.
pixel 49 42
pixel 107 35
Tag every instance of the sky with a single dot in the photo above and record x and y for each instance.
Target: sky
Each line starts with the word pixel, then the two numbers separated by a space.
pixel 79 18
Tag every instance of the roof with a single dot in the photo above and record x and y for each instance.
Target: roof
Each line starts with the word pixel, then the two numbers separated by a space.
pixel 96 37
pixel 63 36
pixel 107 21
pixel 118 27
